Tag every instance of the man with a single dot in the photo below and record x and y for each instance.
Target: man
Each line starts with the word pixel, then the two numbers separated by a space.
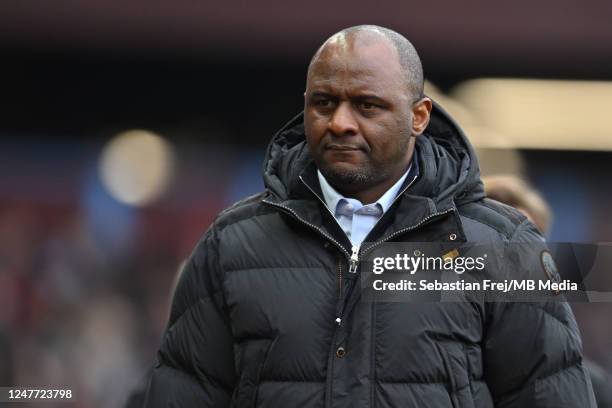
pixel 267 314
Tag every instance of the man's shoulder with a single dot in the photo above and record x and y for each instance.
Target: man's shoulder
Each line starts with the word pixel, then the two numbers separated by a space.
pixel 246 208
pixel 487 218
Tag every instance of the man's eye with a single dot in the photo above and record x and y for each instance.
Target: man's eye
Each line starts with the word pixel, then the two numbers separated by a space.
pixel 367 106
pixel 323 103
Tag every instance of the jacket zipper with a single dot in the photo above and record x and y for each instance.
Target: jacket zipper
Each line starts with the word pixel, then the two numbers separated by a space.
pixel 354 259
pixel 338 320
pixel 339 276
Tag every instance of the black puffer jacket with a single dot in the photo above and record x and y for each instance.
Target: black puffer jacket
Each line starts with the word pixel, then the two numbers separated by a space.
pixel 253 321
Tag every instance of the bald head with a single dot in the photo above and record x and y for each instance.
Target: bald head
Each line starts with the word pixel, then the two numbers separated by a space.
pixel 363 110
pixel 407 55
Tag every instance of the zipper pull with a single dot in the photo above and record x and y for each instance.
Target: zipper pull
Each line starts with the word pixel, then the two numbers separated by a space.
pixel 354 260
pixel 338 321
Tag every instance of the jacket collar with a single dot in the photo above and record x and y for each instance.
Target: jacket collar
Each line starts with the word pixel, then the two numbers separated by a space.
pixel 407 211
pixel 448 168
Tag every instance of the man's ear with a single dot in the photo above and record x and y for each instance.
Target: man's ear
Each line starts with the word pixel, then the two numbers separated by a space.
pixel 421 110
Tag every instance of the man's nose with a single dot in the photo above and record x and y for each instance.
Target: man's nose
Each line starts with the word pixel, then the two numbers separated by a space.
pixel 342 122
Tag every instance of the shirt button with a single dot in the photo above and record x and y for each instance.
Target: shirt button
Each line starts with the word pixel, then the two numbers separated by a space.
pixel 340 352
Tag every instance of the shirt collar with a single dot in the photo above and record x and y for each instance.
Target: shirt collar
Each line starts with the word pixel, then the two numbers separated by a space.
pixel 330 195
pixel 333 197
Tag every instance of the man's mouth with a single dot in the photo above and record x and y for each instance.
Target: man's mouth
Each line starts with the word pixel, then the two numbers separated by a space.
pixel 344 148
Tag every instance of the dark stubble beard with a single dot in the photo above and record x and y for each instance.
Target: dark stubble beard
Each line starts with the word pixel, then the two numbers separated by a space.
pixel 370 174
pixel 350 180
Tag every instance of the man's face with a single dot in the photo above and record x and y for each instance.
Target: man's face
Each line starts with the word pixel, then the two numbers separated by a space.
pixel 357 114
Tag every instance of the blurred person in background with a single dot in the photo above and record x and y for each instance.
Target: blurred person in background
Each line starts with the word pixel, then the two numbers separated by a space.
pixel 267 312
pixel 516 192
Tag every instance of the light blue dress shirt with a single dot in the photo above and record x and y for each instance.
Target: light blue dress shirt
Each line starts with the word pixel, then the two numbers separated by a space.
pixel 356 219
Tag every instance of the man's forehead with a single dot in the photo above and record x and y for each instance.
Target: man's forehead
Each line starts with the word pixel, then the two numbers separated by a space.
pixel 358 62
pixel 334 74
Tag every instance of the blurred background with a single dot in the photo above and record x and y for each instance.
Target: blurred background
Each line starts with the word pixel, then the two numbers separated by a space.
pixel 126 126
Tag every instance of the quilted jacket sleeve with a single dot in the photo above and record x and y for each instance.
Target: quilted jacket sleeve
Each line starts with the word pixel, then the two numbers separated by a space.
pixel 533 350
pixel 195 362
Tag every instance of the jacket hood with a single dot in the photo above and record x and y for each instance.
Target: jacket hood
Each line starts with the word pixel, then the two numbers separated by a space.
pixel 449 172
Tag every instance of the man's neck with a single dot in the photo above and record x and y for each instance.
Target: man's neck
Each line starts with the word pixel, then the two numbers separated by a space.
pixel 385 199
pixel 371 195
pixel 374 193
